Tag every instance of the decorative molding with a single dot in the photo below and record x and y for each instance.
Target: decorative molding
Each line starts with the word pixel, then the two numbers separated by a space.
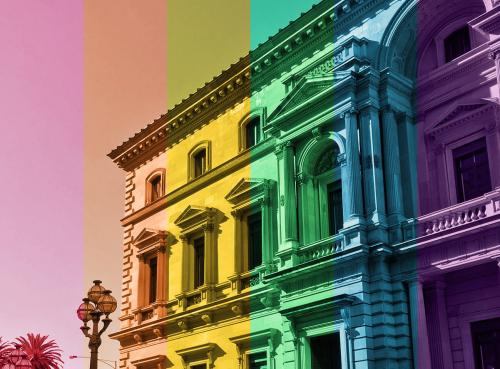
pixel 150 240
pixel 150 361
pixel 205 352
pixel 195 216
pixel 247 190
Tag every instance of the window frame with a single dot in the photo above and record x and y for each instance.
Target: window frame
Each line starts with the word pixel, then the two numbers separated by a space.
pixel 159 172
pixel 261 113
pixel 148 244
pixel 450 163
pixel 195 222
pixel 198 280
pixel 191 167
pixel 464 324
pixel 255 343
pixel 250 196
pixel 446 38
pixel 306 333
pixel 323 180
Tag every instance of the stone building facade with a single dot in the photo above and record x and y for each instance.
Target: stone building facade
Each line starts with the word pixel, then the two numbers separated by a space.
pixel 330 201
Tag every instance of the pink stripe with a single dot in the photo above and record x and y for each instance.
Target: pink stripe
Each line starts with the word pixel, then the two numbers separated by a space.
pixel 41 158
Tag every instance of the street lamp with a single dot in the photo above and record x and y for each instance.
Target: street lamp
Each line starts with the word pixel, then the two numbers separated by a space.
pixel 98 302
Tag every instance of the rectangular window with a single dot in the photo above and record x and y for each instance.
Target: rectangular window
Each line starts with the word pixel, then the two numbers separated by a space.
pixel 200 160
pixel 486 341
pixel 257 361
pixel 199 261
pixel 156 188
pixel 253 132
pixel 472 172
pixel 254 224
pixel 153 279
pixel 457 43
pixel 199 366
pixel 325 352
pixel 335 217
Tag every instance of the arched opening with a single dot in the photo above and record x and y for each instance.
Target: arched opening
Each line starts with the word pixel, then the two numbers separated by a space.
pixel 199 160
pixel 155 186
pixel 320 192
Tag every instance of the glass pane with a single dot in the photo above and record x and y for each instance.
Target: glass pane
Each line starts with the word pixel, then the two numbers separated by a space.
pixel 325 352
pixel 258 361
pixel 254 222
pixel 199 262
pixel 253 132
pixel 155 188
pixel 335 214
pixel 472 172
pixel 457 43
pixel 153 278
pixel 486 339
pixel 200 163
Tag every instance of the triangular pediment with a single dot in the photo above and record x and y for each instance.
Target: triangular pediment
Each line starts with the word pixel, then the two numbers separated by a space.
pixel 460 111
pixel 150 237
pixel 309 88
pixel 193 215
pixel 246 189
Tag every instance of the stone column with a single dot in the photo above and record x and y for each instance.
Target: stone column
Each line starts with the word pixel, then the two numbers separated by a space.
pixel 392 169
pixel 162 279
pixel 287 196
pixel 210 260
pixel 420 339
pixel 185 275
pixel 438 327
pixel 352 193
pixel 267 226
pixel 141 291
pixel 210 269
pixel 371 150
pixel 161 272
pixel 238 242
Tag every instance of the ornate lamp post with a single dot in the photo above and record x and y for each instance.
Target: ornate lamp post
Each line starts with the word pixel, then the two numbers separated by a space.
pixel 98 302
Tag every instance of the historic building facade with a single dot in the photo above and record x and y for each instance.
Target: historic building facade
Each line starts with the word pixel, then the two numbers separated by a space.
pixel 330 201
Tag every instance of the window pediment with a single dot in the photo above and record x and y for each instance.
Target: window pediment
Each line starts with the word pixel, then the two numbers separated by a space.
pixel 255 338
pixel 460 113
pixel 247 190
pixel 194 216
pixel 150 362
pixel 203 352
pixel 150 240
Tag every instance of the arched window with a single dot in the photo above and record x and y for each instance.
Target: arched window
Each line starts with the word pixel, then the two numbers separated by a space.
pixel 320 192
pixel 155 187
pixel 252 132
pixel 325 166
pixel 199 160
pixel 457 43
pixel 251 129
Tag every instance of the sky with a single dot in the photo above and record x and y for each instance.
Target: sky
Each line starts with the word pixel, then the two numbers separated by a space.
pixel 77 80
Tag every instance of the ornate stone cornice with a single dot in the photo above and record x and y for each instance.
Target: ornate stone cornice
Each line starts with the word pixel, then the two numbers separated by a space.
pixel 232 86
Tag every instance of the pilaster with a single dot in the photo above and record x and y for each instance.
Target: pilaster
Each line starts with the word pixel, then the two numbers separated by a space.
pixel 371 150
pixel 420 338
pixel 392 166
pixel 287 196
pixel 352 193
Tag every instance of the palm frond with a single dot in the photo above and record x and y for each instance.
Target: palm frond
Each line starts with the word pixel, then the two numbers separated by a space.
pixel 42 352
